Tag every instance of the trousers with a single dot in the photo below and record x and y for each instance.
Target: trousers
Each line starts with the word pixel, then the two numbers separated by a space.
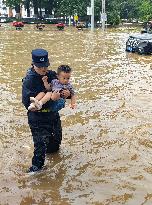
pixel 47 134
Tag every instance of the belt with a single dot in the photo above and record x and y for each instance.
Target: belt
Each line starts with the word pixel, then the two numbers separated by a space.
pixel 44 110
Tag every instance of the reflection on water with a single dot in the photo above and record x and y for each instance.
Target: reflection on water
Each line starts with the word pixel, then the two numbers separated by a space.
pixel 105 157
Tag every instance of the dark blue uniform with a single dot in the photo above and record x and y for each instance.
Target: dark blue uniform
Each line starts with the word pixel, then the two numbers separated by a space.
pixel 45 124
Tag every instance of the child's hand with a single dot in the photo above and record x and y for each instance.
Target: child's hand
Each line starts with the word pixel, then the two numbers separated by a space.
pixel 73 106
pixel 46 84
pixel 45 78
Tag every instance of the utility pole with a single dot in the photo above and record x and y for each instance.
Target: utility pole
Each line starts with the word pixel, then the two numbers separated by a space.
pixel 103 15
pixel 92 15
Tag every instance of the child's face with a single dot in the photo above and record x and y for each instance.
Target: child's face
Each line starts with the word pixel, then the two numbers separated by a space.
pixel 64 77
pixel 41 71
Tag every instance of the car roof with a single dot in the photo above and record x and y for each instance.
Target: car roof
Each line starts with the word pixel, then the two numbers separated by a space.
pixel 145 36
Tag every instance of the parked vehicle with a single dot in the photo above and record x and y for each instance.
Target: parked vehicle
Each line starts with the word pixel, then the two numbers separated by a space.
pixel 80 25
pixel 60 26
pixel 147 27
pixel 142 44
pixel 40 26
pixel 18 25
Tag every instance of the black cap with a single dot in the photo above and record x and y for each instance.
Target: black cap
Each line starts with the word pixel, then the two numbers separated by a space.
pixel 40 57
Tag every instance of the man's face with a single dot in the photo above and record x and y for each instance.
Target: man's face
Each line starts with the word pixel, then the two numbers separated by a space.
pixel 41 70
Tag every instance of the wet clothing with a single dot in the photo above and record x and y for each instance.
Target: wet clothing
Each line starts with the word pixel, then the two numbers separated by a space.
pixel 47 134
pixel 33 84
pixel 57 86
pixel 45 124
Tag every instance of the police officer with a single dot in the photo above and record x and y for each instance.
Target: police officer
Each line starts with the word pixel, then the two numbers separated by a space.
pixel 45 124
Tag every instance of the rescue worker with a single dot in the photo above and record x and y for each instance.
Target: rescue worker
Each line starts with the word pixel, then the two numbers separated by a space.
pixel 45 124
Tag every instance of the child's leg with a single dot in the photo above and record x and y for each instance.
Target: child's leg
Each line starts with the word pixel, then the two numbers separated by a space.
pixel 35 101
pixel 40 96
pixel 46 98
pixel 31 106
pixel 43 99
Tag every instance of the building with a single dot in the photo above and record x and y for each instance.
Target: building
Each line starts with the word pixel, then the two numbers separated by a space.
pixel 8 12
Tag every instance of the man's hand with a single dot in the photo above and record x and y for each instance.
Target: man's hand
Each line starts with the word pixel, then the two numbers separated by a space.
pixel 55 95
pixel 65 93
pixel 34 109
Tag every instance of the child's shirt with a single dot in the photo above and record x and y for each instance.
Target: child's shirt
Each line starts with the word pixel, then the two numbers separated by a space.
pixel 33 84
pixel 57 86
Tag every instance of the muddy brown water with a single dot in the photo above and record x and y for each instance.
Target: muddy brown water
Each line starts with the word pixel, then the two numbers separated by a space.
pixel 106 152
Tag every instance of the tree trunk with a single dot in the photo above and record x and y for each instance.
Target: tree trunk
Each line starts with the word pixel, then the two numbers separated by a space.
pixel 35 5
pixel 18 10
pixel 50 7
pixel 27 6
pixel 40 9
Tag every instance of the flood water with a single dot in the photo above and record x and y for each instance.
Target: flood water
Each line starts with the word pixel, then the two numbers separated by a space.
pixel 106 152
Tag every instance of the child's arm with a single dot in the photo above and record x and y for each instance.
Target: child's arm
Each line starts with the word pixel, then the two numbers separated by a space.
pixel 73 102
pixel 46 84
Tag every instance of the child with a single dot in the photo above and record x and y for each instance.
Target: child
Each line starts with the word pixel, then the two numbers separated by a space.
pixel 57 85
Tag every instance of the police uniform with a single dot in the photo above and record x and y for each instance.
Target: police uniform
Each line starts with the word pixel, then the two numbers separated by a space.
pixel 45 124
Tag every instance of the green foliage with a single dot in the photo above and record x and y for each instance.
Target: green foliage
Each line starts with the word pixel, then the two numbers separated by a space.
pixel 72 7
pixel 145 10
pixel 12 3
pixel 115 9
pixel 129 9
pixel 113 18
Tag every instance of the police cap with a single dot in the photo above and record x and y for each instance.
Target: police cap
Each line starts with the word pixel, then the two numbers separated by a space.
pixel 40 57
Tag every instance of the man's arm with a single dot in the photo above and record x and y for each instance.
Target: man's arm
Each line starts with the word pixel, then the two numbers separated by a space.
pixel 66 94
pixel 27 90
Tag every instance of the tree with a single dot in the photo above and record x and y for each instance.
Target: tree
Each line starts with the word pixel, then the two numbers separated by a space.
pixel 113 11
pixel 145 10
pixel 27 7
pixel 16 5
